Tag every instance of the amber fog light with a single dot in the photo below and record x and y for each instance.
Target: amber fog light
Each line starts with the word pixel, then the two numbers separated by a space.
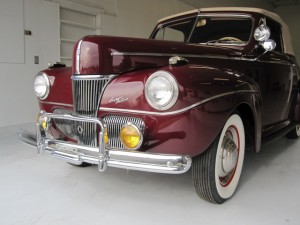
pixel 45 122
pixel 131 136
pixel 106 138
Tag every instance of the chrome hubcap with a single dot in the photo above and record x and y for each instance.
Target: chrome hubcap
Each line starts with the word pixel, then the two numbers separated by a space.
pixel 229 159
pixel 230 155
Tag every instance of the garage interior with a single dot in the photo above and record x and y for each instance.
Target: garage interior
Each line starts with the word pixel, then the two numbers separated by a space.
pixel 43 190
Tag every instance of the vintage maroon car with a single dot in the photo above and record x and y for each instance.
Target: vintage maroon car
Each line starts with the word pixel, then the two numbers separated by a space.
pixel 204 87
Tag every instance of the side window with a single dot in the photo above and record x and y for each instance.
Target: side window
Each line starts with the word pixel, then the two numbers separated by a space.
pixel 275 34
pixel 176 31
pixel 170 34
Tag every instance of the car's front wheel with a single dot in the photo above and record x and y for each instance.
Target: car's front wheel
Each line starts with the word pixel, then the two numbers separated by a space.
pixel 216 172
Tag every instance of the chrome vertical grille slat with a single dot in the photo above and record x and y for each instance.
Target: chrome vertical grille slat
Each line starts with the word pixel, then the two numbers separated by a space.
pixel 87 92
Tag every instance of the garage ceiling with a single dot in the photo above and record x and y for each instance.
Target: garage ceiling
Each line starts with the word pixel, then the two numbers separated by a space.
pixel 274 3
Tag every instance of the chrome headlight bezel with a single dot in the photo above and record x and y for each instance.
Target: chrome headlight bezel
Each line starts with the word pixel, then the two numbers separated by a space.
pixel 44 81
pixel 165 79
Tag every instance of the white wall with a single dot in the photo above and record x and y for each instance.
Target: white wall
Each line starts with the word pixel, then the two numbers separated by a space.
pixel 138 18
pixel 17 100
pixel 134 18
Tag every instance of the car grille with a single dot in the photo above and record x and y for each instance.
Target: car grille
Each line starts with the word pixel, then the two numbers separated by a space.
pixel 114 124
pixel 87 92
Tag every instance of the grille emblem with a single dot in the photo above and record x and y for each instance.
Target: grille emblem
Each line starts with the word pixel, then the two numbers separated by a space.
pixel 80 129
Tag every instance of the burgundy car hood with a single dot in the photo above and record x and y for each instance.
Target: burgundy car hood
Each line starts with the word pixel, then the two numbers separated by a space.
pixel 106 55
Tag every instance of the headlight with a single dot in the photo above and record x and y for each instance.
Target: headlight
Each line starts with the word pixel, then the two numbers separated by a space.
pixel 41 85
pixel 161 90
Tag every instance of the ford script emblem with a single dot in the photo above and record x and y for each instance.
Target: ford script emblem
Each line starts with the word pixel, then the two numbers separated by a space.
pixel 118 100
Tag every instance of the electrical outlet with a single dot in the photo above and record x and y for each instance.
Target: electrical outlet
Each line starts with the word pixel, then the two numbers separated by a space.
pixel 28 32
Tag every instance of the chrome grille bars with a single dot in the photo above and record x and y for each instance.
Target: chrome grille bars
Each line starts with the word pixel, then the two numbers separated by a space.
pixel 87 92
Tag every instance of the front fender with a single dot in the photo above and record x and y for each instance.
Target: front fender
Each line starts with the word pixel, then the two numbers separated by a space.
pixel 196 84
pixel 207 97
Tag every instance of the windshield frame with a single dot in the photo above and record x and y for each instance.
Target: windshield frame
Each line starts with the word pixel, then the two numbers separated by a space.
pixel 203 16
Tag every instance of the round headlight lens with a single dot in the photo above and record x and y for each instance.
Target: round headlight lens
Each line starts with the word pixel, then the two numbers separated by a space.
pixel 131 136
pixel 161 90
pixel 41 85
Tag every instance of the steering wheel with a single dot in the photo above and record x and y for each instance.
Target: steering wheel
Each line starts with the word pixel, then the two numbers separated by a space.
pixel 230 39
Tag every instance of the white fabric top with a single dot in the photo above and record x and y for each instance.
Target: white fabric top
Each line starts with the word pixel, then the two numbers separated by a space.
pixel 288 48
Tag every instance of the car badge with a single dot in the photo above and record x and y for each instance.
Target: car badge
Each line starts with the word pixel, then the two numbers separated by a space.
pixel 118 100
pixel 80 129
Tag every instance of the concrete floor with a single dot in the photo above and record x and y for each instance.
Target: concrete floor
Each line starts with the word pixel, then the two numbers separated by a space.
pixel 44 190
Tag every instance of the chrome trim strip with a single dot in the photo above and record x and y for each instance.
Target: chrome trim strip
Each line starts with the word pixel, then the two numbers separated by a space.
pixel 171 55
pixel 91 77
pixel 143 54
pixel 176 111
pixel 77 63
pixel 56 103
pixel 194 56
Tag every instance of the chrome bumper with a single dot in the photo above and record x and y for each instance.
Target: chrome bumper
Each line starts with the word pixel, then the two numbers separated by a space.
pixel 77 154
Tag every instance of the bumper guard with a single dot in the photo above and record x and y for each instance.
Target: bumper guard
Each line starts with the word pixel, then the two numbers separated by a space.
pixel 125 159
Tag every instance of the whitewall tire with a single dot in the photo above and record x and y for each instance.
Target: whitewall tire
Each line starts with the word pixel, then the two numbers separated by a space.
pixel 216 172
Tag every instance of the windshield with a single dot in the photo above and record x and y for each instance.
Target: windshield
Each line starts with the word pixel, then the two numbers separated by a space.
pixel 208 30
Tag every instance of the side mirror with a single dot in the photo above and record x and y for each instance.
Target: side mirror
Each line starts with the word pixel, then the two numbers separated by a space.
pixel 262 33
pixel 269 45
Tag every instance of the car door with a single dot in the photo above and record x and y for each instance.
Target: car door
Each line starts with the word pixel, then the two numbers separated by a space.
pixel 275 77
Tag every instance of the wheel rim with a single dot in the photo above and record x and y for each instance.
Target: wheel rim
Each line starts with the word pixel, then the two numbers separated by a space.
pixel 230 156
pixel 230 152
pixel 298 130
